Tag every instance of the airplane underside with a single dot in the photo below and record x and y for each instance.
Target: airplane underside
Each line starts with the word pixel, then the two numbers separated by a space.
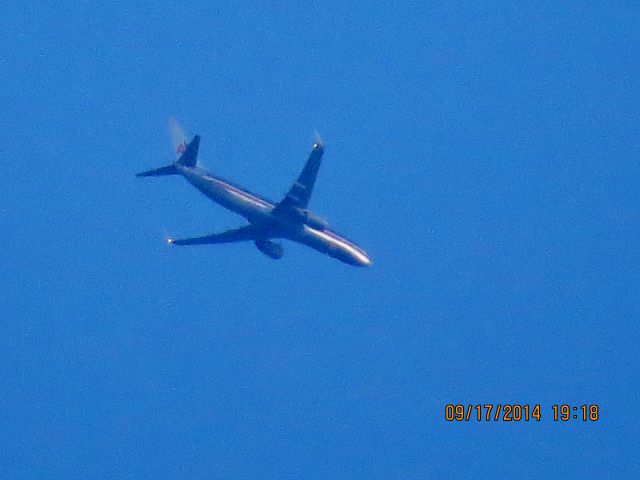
pixel 289 219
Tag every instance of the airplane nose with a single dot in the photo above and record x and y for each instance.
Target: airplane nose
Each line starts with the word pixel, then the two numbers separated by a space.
pixel 363 260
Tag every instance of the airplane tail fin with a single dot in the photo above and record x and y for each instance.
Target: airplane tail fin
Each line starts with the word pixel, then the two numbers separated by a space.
pixel 188 158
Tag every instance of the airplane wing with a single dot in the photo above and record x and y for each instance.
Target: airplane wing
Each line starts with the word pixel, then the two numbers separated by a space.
pixel 242 234
pixel 300 193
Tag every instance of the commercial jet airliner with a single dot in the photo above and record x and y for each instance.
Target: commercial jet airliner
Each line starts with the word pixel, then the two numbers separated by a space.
pixel 289 219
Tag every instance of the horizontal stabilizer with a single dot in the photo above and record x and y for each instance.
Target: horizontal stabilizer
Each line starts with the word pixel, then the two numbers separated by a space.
pixel 158 172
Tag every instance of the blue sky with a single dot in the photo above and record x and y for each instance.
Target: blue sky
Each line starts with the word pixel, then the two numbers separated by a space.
pixel 486 157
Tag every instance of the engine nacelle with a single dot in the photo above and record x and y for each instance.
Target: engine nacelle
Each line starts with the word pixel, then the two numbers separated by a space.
pixel 270 248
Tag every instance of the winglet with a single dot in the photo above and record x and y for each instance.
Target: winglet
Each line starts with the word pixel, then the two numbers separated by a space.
pixel 317 140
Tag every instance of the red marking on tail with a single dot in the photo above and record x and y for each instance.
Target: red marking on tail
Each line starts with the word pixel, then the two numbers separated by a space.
pixel 181 148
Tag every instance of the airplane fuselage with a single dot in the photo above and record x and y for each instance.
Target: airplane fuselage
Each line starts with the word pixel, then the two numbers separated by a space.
pixel 259 211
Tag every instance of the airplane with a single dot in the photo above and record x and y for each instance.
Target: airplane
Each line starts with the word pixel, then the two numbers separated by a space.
pixel 288 219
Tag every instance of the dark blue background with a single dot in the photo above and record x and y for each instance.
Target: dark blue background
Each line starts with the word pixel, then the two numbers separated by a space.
pixel 485 156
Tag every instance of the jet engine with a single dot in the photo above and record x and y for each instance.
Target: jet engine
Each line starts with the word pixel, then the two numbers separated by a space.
pixel 270 248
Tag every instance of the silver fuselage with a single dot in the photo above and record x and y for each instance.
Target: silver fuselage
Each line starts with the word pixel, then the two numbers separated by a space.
pixel 259 211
